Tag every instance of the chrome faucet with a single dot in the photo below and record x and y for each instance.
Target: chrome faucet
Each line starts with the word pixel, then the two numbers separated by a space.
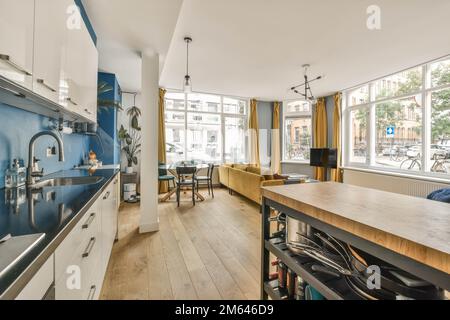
pixel 32 174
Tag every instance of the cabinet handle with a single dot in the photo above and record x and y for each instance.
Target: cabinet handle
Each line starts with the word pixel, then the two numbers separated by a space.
pixel 106 195
pixel 89 247
pixel 92 292
pixel 71 101
pixel 17 94
pixel 42 82
pixel 7 59
pixel 89 221
pixel 115 181
pixel 87 111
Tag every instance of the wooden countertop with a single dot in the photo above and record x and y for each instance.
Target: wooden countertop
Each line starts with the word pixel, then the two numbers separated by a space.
pixel 414 227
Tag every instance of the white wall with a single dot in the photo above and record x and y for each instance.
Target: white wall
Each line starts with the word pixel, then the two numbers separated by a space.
pixel 123 119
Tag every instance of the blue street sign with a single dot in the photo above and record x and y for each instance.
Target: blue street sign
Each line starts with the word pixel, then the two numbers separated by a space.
pixel 390 131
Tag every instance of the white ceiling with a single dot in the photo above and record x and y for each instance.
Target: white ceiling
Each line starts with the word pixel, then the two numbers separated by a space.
pixel 125 28
pixel 255 48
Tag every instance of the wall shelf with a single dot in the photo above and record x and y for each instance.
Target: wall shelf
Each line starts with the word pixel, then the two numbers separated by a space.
pixel 19 97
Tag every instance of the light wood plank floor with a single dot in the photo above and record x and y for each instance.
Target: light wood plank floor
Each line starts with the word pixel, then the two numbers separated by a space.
pixel 210 251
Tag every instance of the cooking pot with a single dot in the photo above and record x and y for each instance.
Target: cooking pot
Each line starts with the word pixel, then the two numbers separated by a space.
pixel 299 235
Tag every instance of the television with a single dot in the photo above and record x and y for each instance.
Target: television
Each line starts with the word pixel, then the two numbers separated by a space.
pixel 318 157
pixel 323 157
pixel 332 158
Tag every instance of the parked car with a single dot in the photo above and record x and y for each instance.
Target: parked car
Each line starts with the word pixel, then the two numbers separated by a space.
pixel 436 151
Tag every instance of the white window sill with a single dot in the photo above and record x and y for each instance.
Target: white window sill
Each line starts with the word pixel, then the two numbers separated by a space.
pixel 295 162
pixel 422 177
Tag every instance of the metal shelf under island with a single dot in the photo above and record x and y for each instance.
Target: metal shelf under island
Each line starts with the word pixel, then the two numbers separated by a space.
pixel 390 229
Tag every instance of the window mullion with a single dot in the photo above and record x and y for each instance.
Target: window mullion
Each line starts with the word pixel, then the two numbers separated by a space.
pixel 426 118
pixel 372 126
pixel 222 129
pixel 185 127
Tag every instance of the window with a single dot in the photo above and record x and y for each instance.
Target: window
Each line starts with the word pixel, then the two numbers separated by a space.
pixel 205 127
pixel 401 123
pixel 297 127
pixel 236 139
pixel 358 129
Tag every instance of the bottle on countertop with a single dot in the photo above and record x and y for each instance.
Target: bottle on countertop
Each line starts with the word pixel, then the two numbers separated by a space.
pixel 15 176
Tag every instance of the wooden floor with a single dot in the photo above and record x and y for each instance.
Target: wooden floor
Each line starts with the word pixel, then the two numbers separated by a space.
pixel 210 251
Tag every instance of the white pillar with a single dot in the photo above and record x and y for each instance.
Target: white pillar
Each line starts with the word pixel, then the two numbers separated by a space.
pixel 149 150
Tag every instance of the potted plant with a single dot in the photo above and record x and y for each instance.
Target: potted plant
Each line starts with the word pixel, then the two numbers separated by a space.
pixel 131 139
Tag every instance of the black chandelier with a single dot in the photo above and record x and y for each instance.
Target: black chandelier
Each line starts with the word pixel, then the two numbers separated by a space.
pixel 307 94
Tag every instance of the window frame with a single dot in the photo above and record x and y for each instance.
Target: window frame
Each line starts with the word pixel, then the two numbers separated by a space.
pixel 221 114
pixel 425 92
pixel 294 115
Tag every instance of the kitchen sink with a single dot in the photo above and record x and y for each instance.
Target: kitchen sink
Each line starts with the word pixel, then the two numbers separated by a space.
pixel 73 181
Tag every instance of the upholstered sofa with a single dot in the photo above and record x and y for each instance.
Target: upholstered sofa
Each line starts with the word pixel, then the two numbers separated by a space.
pixel 246 180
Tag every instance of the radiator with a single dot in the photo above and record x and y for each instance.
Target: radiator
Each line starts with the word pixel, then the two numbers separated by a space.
pixel 397 184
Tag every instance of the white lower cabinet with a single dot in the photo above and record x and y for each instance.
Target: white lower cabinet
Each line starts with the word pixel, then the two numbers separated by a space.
pixel 40 284
pixel 81 259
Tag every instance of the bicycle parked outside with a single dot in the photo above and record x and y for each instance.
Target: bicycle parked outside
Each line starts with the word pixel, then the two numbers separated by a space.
pixel 441 163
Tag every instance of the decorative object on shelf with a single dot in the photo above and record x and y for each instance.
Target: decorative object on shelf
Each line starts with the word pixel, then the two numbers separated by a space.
pixel 187 84
pixel 307 95
pixel 93 161
pixel 131 139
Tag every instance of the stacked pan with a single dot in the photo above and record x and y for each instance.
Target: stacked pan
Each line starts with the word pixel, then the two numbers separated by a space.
pixel 355 266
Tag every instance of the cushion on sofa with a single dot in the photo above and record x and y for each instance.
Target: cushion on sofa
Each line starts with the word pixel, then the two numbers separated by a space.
pixel 254 170
pixel 242 167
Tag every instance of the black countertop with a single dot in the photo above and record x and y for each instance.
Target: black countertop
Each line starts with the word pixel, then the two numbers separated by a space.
pixel 56 212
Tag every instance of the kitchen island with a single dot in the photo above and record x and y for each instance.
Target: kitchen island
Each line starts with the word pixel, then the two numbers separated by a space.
pixel 412 234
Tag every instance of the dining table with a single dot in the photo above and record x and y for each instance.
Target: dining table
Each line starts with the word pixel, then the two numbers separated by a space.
pixel 172 168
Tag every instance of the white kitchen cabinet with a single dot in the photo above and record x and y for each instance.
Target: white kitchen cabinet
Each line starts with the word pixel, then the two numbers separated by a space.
pixel 109 220
pixel 16 41
pixel 50 48
pixel 40 284
pixel 80 73
pixel 77 256
pixel 86 249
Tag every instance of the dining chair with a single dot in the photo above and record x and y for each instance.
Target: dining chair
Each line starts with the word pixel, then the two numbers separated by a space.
pixel 186 178
pixel 163 176
pixel 207 179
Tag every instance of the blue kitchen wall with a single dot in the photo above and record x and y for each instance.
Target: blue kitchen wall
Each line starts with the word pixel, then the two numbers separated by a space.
pixel 106 145
pixel 17 128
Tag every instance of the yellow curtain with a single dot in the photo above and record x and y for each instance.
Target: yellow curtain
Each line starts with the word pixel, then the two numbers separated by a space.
pixel 254 134
pixel 320 133
pixel 276 148
pixel 162 137
pixel 336 174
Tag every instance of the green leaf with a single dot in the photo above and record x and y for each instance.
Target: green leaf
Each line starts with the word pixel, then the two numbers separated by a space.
pixel 135 160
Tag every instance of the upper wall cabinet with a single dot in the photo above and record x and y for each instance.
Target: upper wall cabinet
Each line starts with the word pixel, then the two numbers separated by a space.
pixel 16 41
pixel 50 48
pixel 46 47
pixel 81 68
